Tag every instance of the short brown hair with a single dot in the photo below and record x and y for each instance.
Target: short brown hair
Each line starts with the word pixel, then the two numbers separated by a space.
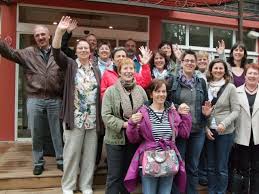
pixel 252 66
pixel 124 62
pixel 155 85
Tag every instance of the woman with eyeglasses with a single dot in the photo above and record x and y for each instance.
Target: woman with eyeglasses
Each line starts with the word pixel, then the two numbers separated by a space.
pixel 120 102
pixel 80 112
pixel 189 92
pixel 143 79
pixel 220 129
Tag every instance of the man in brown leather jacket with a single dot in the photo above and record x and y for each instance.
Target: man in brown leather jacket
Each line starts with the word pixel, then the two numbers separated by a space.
pixel 44 86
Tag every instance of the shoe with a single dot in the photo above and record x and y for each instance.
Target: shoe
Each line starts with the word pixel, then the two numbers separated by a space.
pixel 60 167
pixel 68 191
pixel 203 182
pixel 38 170
pixel 88 191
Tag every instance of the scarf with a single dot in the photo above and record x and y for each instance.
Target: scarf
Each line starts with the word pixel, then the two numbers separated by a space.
pixel 137 98
pixel 108 64
pixel 182 78
pixel 158 75
pixel 214 87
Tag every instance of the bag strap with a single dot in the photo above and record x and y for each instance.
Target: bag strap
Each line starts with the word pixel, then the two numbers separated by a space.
pixel 215 99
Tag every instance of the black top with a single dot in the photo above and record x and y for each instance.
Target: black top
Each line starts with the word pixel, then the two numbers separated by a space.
pixel 251 100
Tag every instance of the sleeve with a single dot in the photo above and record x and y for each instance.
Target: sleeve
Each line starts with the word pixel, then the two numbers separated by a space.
pixel 60 58
pixel 110 121
pixel 144 77
pixel 15 55
pixel 104 84
pixel 133 132
pixel 64 45
pixel 182 124
pixel 234 106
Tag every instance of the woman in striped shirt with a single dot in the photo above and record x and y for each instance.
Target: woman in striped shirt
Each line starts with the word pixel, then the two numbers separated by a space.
pixel 154 123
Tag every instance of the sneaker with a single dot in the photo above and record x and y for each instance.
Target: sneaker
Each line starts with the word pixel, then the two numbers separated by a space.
pixel 60 167
pixel 38 170
pixel 88 191
pixel 68 191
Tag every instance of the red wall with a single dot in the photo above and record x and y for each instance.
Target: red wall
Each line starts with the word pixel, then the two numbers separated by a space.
pixel 7 76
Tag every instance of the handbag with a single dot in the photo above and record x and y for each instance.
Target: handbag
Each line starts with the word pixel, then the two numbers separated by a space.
pixel 160 163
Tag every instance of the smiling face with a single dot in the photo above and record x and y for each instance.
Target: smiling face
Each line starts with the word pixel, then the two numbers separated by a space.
pixel 238 53
pixel 159 62
pixel 189 64
pixel 218 71
pixel 83 50
pixel 41 36
pixel 167 50
pixel 119 55
pixel 202 63
pixel 252 76
pixel 91 39
pixel 126 71
pixel 159 95
pixel 104 52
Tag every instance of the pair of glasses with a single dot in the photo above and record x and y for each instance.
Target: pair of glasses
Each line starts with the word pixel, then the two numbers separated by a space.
pixel 189 61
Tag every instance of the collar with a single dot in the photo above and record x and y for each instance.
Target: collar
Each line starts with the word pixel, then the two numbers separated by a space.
pixel 80 64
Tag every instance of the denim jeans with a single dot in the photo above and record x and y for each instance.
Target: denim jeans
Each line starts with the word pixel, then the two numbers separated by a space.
pixel 203 164
pixel 37 111
pixel 218 155
pixel 157 185
pixel 190 151
pixel 118 160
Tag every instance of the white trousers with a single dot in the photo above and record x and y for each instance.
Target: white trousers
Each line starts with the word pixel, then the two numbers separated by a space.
pixel 79 158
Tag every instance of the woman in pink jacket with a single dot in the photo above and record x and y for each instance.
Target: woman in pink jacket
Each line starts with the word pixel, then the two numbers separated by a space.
pixel 155 126
pixel 143 78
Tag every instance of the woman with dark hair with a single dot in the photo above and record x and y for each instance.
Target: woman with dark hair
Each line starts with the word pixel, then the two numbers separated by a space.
pixel 173 55
pixel 156 129
pixel 120 102
pixel 247 134
pixel 236 61
pixel 81 112
pixel 158 65
pixel 223 98
pixel 110 76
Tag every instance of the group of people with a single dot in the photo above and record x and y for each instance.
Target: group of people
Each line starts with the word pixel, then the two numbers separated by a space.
pixel 132 107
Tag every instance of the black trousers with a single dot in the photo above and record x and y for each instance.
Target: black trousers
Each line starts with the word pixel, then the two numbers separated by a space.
pixel 118 160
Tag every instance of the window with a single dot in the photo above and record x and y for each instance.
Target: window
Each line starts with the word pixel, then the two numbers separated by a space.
pixel 174 33
pixel 199 36
pixel 222 34
pixel 249 42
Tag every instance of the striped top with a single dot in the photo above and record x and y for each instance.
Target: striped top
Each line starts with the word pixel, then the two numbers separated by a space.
pixel 161 128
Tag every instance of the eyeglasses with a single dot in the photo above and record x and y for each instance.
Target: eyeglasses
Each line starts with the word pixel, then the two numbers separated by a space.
pixel 189 61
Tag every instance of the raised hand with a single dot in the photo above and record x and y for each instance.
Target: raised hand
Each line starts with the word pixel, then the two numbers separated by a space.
pixel 183 109
pixel 72 26
pixel 177 51
pixel 64 24
pixel 207 108
pixel 146 55
pixel 221 47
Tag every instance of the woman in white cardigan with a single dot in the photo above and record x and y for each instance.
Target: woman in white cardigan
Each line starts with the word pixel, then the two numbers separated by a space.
pixel 247 134
pixel 220 127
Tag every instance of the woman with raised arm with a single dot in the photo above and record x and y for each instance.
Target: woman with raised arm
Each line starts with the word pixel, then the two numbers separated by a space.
pixel 80 113
pixel 220 129
pixel 120 102
pixel 159 68
pixel 155 127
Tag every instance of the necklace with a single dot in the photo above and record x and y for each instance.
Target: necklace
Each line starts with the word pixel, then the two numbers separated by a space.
pixel 251 91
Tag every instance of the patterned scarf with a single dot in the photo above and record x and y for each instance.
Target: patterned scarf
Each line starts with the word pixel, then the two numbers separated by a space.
pixel 159 75
pixel 214 87
pixel 137 98
pixel 190 83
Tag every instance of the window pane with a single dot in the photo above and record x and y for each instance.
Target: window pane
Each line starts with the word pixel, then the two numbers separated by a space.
pixel 221 34
pixel 249 42
pixel 199 36
pixel 174 33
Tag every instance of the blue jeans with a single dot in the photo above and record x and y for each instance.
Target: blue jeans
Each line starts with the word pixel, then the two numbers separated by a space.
pixel 218 156
pixel 203 164
pixel 190 151
pixel 157 185
pixel 37 111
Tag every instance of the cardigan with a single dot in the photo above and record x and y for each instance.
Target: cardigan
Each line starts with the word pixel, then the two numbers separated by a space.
pixel 111 115
pixel 67 112
pixel 226 109
pixel 247 123
pixel 142 133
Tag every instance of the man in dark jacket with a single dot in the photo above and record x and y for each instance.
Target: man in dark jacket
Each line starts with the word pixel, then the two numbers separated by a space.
pixel 44 86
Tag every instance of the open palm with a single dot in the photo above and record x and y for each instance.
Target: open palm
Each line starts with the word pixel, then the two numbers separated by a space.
pixel 146 55
pixel 64 23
